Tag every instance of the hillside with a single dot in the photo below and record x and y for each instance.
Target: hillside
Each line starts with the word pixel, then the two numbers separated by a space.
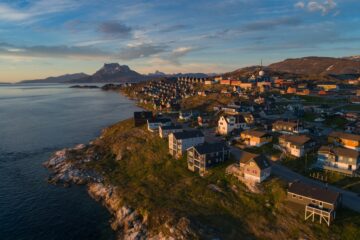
pixel 112 73
pixel 246 72
pixel 318 66
pixel 59 79
pixel 165 194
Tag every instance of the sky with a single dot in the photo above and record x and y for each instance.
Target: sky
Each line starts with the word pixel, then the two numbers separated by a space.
pixel 42 38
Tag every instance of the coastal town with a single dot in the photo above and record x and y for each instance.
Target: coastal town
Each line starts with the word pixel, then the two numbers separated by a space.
pixel 206 157
pixel 257 125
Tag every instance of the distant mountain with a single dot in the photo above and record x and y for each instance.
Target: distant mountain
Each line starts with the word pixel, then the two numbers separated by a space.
pixel 59 79
pixel 157 74
pixel 318 66
pixel 112 73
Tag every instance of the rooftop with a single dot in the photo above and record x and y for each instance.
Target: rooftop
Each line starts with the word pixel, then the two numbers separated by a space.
pixel 339 151
pixel 317 193
pixel 344 135
pixel 260 160
pixel 297 140
pixel 211 147
pixel 188 134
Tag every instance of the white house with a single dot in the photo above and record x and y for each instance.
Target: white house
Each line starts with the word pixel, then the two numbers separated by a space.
pixel 338 159
pixel 227 124
pixel 296 145
pixel 179 142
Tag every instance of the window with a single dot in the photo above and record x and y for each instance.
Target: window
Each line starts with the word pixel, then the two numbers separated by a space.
pixel 313 201
pixel 300 197
pixel 294 196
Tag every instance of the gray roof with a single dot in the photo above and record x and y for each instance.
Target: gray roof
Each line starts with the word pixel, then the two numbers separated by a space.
pixel 160 120
pixel 211 147
pixel 313 192
pixel 171 127
pixel 339 151
pixel 260 160
pixel 188 134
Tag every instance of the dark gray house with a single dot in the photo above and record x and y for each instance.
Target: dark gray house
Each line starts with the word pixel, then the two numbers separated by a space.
pixel 204 156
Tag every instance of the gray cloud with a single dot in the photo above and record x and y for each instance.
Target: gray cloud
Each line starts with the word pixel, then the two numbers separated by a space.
pixel 115 29
pixel 52 51
pixel 174 28
pixel 270 24
pixel 141 51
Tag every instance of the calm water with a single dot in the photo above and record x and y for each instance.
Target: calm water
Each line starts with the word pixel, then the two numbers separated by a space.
pixel 36 120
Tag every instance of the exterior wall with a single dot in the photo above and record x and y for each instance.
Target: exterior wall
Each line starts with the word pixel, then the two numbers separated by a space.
pixel 347 143
pixel 177 147
pixel 283 128
pixel 201 163
pixel 252 171
pixel 225 126
pixel 255 141
pixel 344 164
pixel 172 145
pixel 246 85
pixel 225 82
pixel 294 150
pixel 293 197
pixel 252 178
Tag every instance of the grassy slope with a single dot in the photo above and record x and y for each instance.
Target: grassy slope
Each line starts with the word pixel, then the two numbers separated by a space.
pixel 153 182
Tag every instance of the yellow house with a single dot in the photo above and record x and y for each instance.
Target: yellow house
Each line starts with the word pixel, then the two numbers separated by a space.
pixel 328 86
pixel 347 140
pixel 254 167
pixel 255 138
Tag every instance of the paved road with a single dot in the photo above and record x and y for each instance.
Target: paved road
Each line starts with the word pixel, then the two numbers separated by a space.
pixel 350 200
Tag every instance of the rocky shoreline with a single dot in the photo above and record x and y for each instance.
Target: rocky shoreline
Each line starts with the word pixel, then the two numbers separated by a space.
pixel 128 223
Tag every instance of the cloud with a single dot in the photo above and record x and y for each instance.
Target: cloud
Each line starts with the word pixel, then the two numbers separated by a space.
pixel 270 24
pixel 115 29
pixel 299 5
pixel 86 53
pixel 39 8
pixel 174 56
pixel 141 50
pixel 324 7
pixel 173 28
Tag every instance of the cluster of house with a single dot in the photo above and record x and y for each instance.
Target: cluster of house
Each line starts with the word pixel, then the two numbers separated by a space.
pixel 263 83
pixel 340 154
pixel 193 80
pixel 165 95
pixel 201 155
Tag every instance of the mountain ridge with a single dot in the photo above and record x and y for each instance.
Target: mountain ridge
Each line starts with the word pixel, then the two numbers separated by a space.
pixel 57 79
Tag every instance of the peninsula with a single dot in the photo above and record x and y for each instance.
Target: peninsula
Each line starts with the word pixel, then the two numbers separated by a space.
pixel 157 191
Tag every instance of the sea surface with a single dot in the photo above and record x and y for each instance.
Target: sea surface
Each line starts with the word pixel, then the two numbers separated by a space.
pixel 35 121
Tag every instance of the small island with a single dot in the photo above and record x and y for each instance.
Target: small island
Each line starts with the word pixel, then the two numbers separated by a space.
pixel 84 86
